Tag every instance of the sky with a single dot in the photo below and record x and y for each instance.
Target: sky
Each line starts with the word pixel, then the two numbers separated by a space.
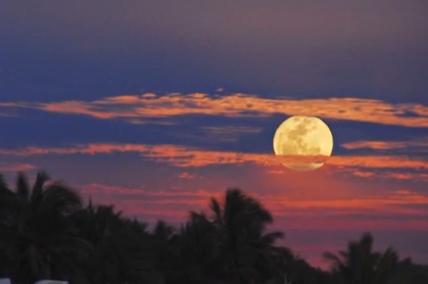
pixel 155 106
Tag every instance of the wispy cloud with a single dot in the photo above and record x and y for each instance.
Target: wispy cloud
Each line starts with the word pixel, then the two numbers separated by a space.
pixel 174 205
pixel 136 107
pixel 109 190
pixel 277 202
pixel 345 212
pixel 401 200
pixel 387 145
pixel 229 133
pixel 396 175
pixel 378 161
pixel 16 167
pixel 180 156
pixel 187 175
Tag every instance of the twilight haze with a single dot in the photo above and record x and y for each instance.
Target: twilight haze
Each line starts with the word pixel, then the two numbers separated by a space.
pixel 155 106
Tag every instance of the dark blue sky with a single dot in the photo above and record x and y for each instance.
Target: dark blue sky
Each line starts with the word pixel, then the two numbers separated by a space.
pixel 80 50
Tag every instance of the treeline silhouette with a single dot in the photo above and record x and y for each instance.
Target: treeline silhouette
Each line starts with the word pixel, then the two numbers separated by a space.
pixel 47 233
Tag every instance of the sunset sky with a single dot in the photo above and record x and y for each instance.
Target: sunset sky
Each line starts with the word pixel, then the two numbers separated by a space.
pixel 155 106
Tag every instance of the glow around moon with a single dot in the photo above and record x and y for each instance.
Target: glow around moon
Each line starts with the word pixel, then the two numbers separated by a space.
pixel 304 142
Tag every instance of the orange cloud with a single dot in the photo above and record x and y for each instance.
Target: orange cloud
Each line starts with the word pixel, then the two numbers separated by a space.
pixel 149 105
pixel 386 145
pixel 380 162
pixel 189 157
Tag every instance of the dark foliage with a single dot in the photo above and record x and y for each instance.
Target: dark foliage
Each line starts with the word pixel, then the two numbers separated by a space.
pixel 45 232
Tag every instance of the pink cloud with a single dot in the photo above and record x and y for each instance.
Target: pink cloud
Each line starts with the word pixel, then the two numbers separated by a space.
pixel 301 212
pixel 16 167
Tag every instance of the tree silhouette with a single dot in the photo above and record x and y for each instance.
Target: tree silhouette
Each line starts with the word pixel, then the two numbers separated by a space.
pixel 45 232
pixel 194 247
pixel 37 239
pixel 360 265
pixel 245 250
pixel 119 245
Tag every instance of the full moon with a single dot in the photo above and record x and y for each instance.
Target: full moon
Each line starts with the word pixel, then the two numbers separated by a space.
pixel 302 141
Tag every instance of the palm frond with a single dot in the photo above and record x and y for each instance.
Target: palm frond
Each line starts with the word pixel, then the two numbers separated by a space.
pixel 22 187
pixel 37 191
pixel 216 208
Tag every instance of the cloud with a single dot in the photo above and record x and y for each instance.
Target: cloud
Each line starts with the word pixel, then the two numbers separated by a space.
pixel 396 175
pixel 16 167
pixel 185 157
pixel 150 106
pixel 109 190
pixel 174 205
pixel 386 145
pixel 403 198
pixel 187 175
pixel 394 209
pixel 400 209
pixel 278 202
pixel 6 107
pixel 228 133
pixel 378 162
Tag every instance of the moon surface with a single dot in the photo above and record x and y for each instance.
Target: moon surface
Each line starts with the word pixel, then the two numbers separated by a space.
pixel 301 141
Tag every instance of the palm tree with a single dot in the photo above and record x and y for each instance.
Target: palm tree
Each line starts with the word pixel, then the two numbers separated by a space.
pixel 36 237
pixel 245 251
pixel 120 245
pixel 360 265
pixel 194 248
